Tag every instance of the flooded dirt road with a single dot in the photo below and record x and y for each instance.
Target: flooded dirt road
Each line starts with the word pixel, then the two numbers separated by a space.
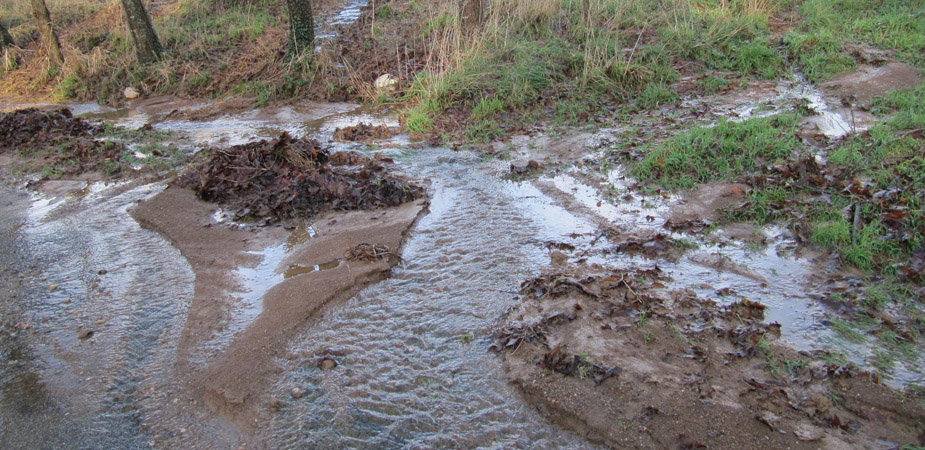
pixel 412 366
pixel 94 305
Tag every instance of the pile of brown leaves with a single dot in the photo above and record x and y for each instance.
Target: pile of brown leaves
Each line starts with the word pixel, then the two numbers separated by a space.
pixel 290 178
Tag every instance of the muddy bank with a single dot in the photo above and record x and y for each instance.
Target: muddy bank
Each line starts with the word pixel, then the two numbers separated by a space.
pixel 619 357
pixel 228 364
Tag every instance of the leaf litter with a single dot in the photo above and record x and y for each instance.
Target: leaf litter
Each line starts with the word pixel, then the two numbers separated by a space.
pixel 295 178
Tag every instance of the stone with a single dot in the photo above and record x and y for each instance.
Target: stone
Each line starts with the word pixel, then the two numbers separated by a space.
pixel 523 168
pixel 131 93
pixel 297 392
pixel 327 364
pixel 385 82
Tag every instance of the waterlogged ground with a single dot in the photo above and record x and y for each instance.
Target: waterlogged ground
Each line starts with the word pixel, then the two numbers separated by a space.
pixel 94 305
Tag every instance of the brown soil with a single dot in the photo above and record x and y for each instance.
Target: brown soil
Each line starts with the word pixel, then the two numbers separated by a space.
pixel 233 383
pixel 703 202
pixel 626 362
pixel 871 81
pixel 290 178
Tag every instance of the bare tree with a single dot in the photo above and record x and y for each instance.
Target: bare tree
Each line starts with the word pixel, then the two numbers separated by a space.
pixel 147 46
pixel 470 14
pixel 301 27
pixel 5 39
pixel 49 38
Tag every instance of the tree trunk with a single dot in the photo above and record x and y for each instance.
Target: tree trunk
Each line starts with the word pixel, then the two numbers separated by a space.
pixel 5 39
pixel 470 14
pixel 147 46
pixel 49 38
pixel 301 27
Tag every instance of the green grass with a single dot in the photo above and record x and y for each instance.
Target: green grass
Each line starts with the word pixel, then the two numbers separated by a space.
pixel 817 42
pixel 848 331
pixel 574 57
pixel 712 84
pixel 723 152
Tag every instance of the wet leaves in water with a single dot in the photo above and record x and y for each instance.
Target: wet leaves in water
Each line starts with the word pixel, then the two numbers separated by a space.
pixel 558 285
pixel 58 138
pixel 651 246
pixel 362 132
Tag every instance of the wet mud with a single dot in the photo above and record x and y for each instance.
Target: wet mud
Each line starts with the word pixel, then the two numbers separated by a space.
pixel 225 363
pixel 634 364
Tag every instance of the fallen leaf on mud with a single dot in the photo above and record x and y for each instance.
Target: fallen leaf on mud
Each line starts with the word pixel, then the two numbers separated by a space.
pixel 512 337
pixel 748 309
pixel 558 285
pixel 770 419
pixel 650 245
pixel 558 360
pixel 611 372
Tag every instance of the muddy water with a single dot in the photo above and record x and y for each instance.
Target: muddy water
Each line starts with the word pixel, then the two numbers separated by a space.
pixel 414 370
pixel 104 302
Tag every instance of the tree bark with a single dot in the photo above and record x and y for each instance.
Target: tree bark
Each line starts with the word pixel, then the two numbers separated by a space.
pixel 49 38
pixel 147 46
pixel 5 39
pixel 470 14
pixel 301 27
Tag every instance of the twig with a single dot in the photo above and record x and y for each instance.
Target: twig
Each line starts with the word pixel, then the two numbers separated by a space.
pixel 856 223
pixel 630 288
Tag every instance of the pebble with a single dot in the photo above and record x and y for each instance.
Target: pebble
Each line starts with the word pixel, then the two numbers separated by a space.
pixel 297 392
pixel 84 334
pixel 327 364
